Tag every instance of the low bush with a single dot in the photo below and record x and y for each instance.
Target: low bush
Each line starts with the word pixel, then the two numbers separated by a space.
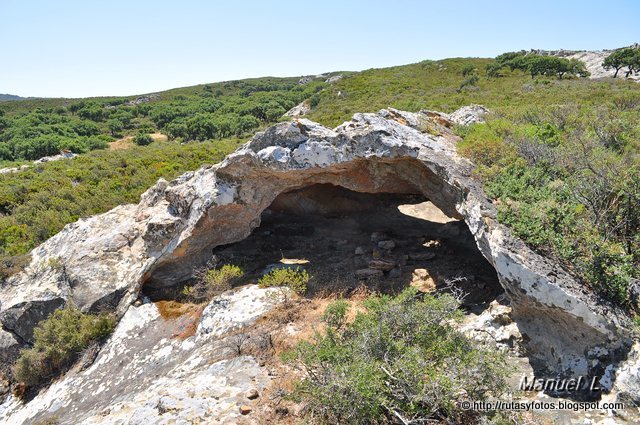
pixel 213 282
pixel 59 339
pixel 335 314
pixel 401 361
pixel 142 139
pixel 294 278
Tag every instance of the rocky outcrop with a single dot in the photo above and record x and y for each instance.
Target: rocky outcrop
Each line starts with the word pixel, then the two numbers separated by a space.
pixel 102 262
pixel 472 114
pixel 300 109
pixel 145 375
pixel 626 378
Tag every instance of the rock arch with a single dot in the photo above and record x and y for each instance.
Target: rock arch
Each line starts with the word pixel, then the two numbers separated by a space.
pixel 107 258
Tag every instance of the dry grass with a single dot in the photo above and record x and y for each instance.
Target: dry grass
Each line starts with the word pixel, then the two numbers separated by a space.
pixel 121 144
pixel 127 141
pixel 173 309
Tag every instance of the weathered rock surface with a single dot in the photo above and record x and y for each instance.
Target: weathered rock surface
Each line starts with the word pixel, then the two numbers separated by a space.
pixel 144 375
pixel 495 326
pixel 9 349
pixel 102 262
pixel 299 110
pixel 626 378
pixel 472 114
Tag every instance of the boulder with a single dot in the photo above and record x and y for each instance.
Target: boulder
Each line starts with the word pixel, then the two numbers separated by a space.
pixel 626 376
pixel 472 114
pixel 102 262
pixel 423 281
pixel 383 265
pixel 300 109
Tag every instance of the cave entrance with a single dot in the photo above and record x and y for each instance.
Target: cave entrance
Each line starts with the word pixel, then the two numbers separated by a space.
pixel 347 239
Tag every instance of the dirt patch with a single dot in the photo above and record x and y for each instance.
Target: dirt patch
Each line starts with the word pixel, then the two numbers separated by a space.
pixel 127 141
pixel 120 144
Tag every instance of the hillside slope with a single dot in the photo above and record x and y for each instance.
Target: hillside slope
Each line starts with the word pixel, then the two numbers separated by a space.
pixel 536 125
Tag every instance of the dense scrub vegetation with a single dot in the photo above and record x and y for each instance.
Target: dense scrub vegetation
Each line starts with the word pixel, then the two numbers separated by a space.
pixel 567 180
pixel 559 156
pixel 400 361
pixel 36 203
pixel 59 340
pixel 215 111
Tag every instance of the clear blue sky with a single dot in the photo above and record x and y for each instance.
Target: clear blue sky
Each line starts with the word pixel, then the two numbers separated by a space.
pixel 87 48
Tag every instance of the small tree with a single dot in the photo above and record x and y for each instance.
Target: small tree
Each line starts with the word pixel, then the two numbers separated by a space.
pixel 115 126
pixel 468 70
pixel 617 60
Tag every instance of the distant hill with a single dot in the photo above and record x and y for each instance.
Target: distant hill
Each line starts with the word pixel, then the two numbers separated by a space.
pixel 10 97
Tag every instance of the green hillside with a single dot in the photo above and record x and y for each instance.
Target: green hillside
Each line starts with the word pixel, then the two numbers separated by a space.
pixel 559 156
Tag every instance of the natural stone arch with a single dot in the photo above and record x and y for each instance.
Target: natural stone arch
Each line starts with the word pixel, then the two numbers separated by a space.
pixel 234 222
pixel 106 259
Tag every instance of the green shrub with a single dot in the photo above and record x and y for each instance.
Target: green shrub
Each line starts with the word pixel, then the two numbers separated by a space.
pixel 468 82
pixel 294 278
pixel 142 139
pixel 468 70
pixel 59 339
pixel 213 282
pixel 402 358
pixel 335 314
pixel 37 203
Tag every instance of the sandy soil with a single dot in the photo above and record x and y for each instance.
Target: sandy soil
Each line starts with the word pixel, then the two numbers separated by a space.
pixel 127 141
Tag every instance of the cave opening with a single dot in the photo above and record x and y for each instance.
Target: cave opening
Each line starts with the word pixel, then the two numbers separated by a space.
pixel 348 240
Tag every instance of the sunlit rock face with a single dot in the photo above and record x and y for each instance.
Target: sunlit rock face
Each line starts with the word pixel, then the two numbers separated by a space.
pixel 144 374
pixel 102 262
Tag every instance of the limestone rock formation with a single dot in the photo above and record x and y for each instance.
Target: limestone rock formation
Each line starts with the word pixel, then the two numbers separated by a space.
pixel 102 262
pixel 145 375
